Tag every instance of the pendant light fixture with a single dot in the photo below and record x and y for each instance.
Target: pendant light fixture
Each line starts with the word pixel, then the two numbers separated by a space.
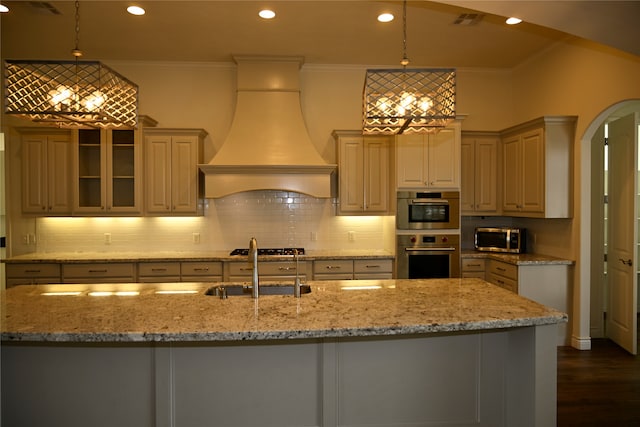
pixel 71 93
pixel 408 100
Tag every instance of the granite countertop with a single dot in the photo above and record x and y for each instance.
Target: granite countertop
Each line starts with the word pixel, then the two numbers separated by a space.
pixel 332 309
pixel 169 256
pixel 517 259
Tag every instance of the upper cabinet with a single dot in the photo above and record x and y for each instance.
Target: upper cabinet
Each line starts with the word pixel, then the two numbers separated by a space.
pixel 363 171
pixel 479 187
pixel 537 168
pixel 172 178
pixel 47 156
pixel 109 171
pixel 429 161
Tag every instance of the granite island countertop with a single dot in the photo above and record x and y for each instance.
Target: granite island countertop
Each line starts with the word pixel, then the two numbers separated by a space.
pixel 134 312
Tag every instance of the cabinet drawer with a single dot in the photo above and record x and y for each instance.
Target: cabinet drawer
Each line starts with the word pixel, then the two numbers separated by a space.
pixel 149 269
pixel 123 270
pixel 473 274
pixel 509 271
pixel 197 268
pixel 15 271
pixel 271 268
pixel 369 266
pixel 503 282
pixel 333 276
pixel 343 266
pixel 373 276
pixel 473 264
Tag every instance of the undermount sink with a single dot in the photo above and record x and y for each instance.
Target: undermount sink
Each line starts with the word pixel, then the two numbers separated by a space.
pixel 237 289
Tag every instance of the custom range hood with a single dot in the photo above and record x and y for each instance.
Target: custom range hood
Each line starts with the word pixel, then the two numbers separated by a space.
pixel 268 146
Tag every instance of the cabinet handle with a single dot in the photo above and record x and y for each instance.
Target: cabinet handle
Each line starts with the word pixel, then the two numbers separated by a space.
pixel 501 269
pixel 207 269
pixel 158 269
pixel 333 267
pixel 32 271
pixel 286 268
pixel 627 262
pixel 372 266
pixel 473 265
pixel 98 271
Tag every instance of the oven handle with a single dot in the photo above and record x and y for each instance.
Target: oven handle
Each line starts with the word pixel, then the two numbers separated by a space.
pixel 443 249
pixel 429 201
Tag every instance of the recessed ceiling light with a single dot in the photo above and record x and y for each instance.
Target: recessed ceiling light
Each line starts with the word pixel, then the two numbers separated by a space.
pixel 136 10
pixel 3 8
pixel 513 21
pixel 267 14
pixel 386 17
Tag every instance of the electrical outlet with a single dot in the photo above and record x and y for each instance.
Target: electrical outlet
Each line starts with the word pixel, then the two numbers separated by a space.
pixel 25 239
pixel 352 236
pixel 195 237
pixel 32 238
pixel 107 238
pixel 314 236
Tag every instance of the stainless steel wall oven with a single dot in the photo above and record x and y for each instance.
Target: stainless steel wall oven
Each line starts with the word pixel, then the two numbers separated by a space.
pixel 428 210
pixel 427 256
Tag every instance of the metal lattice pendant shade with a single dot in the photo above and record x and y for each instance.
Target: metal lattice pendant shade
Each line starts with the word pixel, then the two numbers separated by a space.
pixel 70 94
pixel 408 100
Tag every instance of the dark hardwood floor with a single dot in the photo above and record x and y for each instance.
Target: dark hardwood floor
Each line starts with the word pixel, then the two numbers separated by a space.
pixel 598 387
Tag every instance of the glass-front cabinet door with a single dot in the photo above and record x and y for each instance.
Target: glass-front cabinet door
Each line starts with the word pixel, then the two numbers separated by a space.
pixel 108 168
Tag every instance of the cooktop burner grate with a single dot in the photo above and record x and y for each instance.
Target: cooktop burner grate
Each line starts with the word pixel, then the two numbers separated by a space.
pixel 268 251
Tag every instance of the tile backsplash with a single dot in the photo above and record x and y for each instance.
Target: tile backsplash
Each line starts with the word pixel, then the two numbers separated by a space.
pixel 274 218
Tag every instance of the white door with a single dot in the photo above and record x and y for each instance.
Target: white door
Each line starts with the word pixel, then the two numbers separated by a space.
pixel 622 233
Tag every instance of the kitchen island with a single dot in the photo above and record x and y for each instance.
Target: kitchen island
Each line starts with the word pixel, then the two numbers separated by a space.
pixel 453 352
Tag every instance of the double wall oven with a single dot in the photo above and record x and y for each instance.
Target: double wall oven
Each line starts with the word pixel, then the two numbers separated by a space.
pixel 428 235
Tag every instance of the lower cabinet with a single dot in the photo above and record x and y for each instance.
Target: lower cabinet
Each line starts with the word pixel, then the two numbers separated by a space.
pixel 240 271
pixel 473 267
pixel 108 272
pixel 348 269
pixel 544 283
pixel 32 273
pixel 158 272
pixel 201 271
pixel 372 269
pixel 503 274
pixel 333 269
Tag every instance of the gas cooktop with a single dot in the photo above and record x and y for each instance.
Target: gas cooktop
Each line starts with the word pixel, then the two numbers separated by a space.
pixel 268 251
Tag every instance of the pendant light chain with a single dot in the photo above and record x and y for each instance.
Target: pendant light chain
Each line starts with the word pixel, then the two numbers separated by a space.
pixel 76 51
pixel 405 60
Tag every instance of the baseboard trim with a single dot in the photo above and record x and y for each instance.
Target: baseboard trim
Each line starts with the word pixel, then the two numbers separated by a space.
pixel 581 343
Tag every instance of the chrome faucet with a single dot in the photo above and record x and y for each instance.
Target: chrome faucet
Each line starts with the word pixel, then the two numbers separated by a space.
pixel 253 261
pixel 296 284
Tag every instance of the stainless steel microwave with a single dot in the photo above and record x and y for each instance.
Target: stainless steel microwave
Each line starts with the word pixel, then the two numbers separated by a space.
pixel 501 239
pixel 428 210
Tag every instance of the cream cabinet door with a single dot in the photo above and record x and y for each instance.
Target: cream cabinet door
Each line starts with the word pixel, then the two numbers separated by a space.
pixel 411 164
pixel 376 174
pixel 524 174
pixel 172 178
pixel 158 173
pixel 351 174
pixel 429 160
pixel 479 175
pixel 184 173
pixel 511 169
pixel 363 168
pixel 46 173
pixel 444 159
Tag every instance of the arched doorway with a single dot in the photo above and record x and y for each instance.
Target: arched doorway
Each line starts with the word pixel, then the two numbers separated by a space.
pixel 589 296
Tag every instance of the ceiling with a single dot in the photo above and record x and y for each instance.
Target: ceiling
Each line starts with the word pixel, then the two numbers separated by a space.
pixel 323 31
